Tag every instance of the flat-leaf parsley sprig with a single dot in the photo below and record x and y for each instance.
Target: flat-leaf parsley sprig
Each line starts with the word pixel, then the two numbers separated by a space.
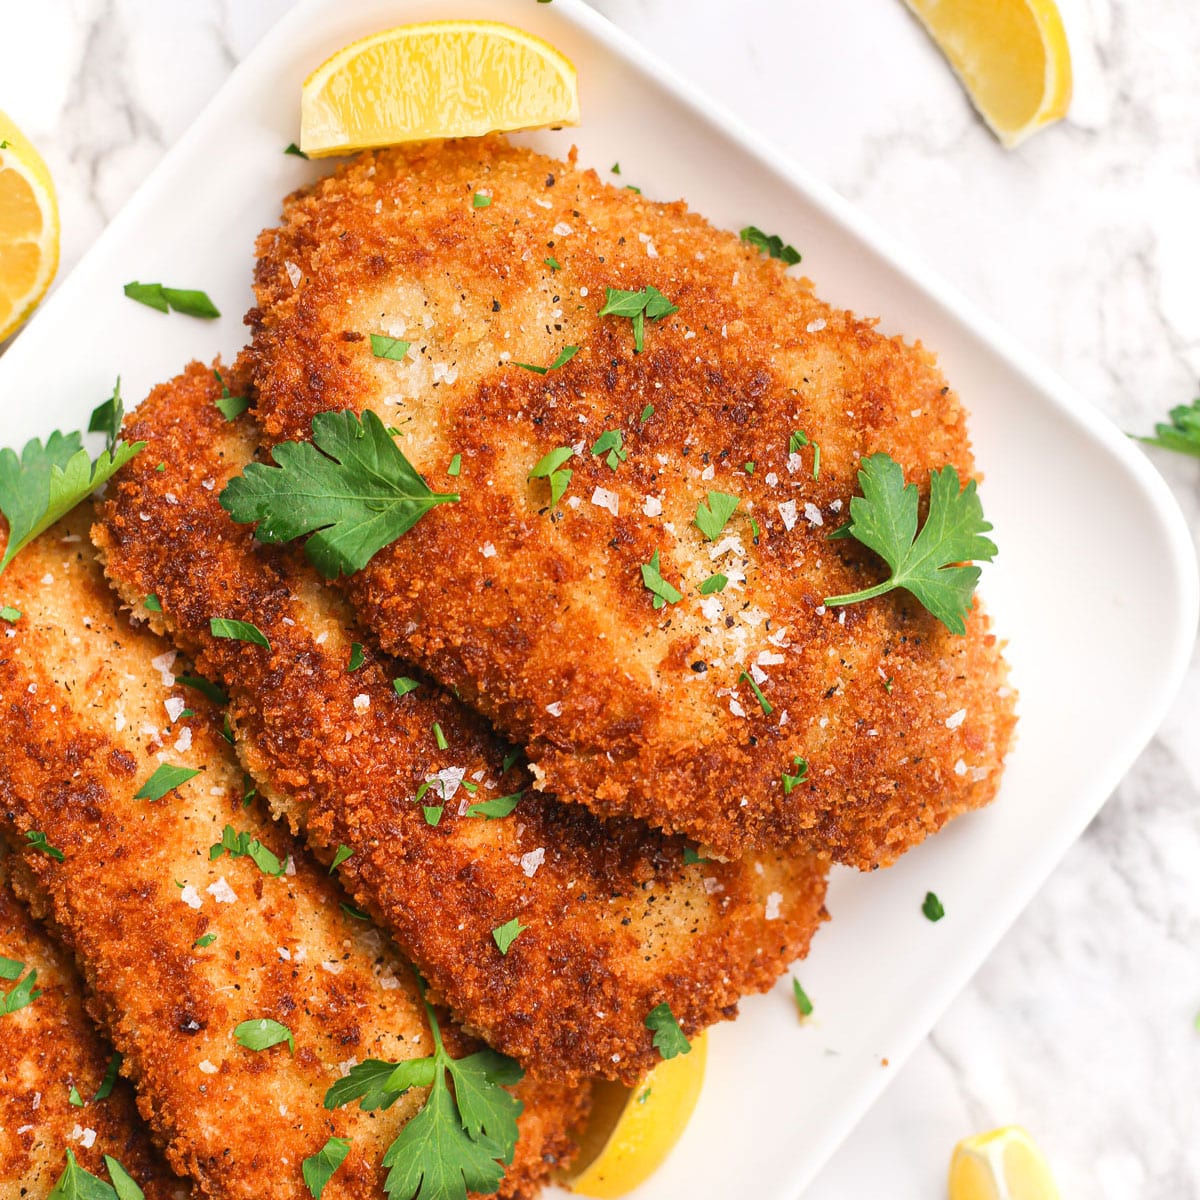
pixel 459 1140
pixel 927 564
pixel 50 478
pixel 351 488
pixel 637 306
pixel 1182 434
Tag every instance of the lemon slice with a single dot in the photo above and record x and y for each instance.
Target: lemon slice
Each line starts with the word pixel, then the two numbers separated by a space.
pixel 28 228
pixel 1011 56
pixel 632 1130
pixel 440 79
pixel 1002 1165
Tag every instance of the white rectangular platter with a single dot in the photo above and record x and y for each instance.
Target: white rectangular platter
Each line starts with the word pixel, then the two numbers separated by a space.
pixel 1095 584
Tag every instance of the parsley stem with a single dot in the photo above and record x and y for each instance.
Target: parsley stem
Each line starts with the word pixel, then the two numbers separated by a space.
pixel 435 1029
pixel 879 589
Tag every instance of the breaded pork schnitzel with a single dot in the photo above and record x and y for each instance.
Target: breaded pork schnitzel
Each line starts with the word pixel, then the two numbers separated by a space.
pixel 617 632
pixel 47 1047
pixel 191 914
pixel 615 920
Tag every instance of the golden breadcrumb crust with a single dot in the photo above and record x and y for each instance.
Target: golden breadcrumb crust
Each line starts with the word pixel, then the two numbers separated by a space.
pixel 46 1049
pixel 616 921
pixel 91 706
pixel 538 615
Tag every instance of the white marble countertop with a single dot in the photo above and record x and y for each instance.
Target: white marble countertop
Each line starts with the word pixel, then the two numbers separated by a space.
pixel 1086 244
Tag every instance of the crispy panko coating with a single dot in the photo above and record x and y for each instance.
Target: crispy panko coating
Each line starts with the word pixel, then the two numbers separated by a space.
pixel 46 1049
pixel 616 921
pixel 538 615
pixel 92 706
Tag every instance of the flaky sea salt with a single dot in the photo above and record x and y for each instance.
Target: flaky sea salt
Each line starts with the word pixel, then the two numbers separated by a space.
pixel 774 900
pixel 531 861
pixel 221 892
pixel 956 719
pixel 787 511
pixel 603 498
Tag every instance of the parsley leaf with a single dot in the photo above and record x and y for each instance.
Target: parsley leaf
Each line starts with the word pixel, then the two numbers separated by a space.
pixel 668 1037
pixel 433 813
pixel 637 306
pixel 498 806
pixel 931 906
pixel 230 406
pixel 262 1033
pixel 48 480
pixel 763 702
pixel 801 775
pixel 357 658
pixel 106 418
pixel 77 1184
pixel 771 244
pixel 189 301
pixel 664 593
pixel 610 441
pixel 199 684
pixel 1182 434
pixel 318 1168
pixel 166 778
pixel 714 583
pixel 803 1003
pixel 884 519
pixel 712 517
pixel 353 487
pixel 123 1182
pixel 389 347
pixel 10 968
pixel 37 841
pixel 479 200
pixel 204 942
pixel 23 995
pixel 439 737
pixel 242 845
pixel 404 685
pixel 110 1078
pixel 152 603
pixel 292 148
pixel 238 631
pixel 455 467
pixel 504 935
pixel 798 441
pixel 553 263
pixel 74 1099
pixel 460 1139
pixel 647 413
pixel 10 614
pixel 549 467
pixel 565 355
pixel 342 853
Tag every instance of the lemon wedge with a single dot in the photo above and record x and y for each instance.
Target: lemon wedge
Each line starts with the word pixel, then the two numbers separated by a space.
pixel 1005 1164
pixel 440 79
pixel 632 1130
pixel 28 228
pixel 1011 55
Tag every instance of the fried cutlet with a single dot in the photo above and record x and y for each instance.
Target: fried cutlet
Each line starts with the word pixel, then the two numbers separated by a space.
pixel 181 942
pixel 543 615
pixel 51 1056
pixel 615 918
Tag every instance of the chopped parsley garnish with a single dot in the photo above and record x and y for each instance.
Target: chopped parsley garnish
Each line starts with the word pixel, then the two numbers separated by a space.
pixel 504 935
pixel 318 1168
pixel 21 996
pixel 404 685
pixel 668 1037
pixel 803 1003
pixel 798 441
pixel 351 485
pixel 355 912
pixel 647 413
pixel 801 775
pixel 37 841
pixel 455 467
pixel 1182 434
pixel 637 306
pixel 389 347
pixel 10 614
pixel 691 856
pixel 242 845
pixel 931 906
pixel 565 355
pixel 763 702
pixel 152 603
pixel 205 941
pixel 230 406
pixel 262 1033
pixel 77 1184
pixel 748 467
pixel 123 1182
pixel 553 263
pixel 199 684
pixel 110 1078
pixel 459 1140
pixel 499 806
pixel 479 200
pixel 615 168
pixel 629 187
pixel 440 737
pixel 74 1099
pixel 771 244
pixel 609 443
pixel 550 466
pixel 10 968
pixel 926 564
pixel 340 855
pixel 356 656
pixel 48 480
pixel 510 758
pixel 433 813
pixel 714 583
pixel 712 517
pixel 166 778
pixel 292 148
pixel 238 631
pixel 652 579
pixel 106 417
pixel 189 301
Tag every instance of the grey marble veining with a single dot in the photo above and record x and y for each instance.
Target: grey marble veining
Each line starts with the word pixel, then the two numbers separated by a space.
pixel 1086 244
